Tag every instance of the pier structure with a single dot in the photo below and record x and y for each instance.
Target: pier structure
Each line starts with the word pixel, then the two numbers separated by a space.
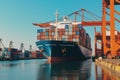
pixel 109 39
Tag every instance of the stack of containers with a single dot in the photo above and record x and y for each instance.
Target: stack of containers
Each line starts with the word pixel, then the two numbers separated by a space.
pixel 66 32
pixel 52 33
pixel 70 34
pixel 41 34
pixel 75 33
pixel 0 49
pixel 14 54
pixel 83 33
pixel 62 31
pixel 87 40
pixel 33 53
pixel 27 54
pixel 59 34
pixel 47 34
pixel 80 33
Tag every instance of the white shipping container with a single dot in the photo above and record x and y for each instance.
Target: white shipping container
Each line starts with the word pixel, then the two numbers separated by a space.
pixel 38 34
pixel 76 40
pixel 70 33
pixel 66 37
pixel 66 33
pixel 63 37
pixel 53 33
pixel 70 29
pixel 108 33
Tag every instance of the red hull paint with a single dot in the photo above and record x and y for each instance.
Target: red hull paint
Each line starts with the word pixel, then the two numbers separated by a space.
pixel 59 59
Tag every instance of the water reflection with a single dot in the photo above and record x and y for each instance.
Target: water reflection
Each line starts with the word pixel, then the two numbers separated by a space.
pixel 105 74
pixel 65 71
pixel 41 70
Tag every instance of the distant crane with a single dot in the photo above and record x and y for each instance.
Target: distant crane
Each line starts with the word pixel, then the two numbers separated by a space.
pixel 30 48
pixel 10 45
pixel 3 50
pixel 2 47
pixel 22 48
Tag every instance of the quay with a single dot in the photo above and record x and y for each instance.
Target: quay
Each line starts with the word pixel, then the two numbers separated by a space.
pixel 112 65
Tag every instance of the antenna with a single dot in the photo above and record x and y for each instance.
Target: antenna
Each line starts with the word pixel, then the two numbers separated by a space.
pixel 57 14
pixel 56 30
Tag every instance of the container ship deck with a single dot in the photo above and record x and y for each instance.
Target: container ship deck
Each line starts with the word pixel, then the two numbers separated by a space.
pixel 63 41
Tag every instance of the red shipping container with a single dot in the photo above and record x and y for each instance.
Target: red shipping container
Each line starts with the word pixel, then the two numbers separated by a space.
pixel 70 38
pixel 33 54
pixel 73 33
pixel 77 36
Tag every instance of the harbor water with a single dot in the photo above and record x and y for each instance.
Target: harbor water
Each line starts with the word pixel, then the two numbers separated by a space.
pixel 39 69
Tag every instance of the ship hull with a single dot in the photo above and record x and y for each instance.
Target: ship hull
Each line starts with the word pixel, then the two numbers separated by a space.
pixel 63 50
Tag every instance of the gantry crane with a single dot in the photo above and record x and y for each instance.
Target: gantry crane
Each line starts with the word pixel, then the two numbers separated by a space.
pixel 10 45
pixel 1 45
pixel 113 46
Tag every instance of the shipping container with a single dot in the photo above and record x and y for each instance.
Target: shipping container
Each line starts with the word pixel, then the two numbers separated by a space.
pixel 47 30
pixel 27 54
pixel 15 56
pixel 66 26
pixel 0 49
pixel 33 54
pixel 77 33
pixel 47 34
pixel 69 33
pixel 70 29
pixel 13 51
pixel 80 26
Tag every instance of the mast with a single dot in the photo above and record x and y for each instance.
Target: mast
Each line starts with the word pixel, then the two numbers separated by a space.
pixel 56 30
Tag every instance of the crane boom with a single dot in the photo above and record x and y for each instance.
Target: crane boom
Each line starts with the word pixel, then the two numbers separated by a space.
pixel 94 23
pixel 83 23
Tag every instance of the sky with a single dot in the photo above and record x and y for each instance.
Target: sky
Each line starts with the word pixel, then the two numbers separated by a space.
pixel 17 16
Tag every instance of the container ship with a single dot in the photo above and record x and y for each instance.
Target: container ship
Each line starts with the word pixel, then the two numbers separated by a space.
pixel 63 41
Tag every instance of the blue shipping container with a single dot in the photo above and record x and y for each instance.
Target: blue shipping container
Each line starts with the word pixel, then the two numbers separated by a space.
pixel 77 33
pixel 40 30
pixel 46 33
pixel 66 27
pixel 80 27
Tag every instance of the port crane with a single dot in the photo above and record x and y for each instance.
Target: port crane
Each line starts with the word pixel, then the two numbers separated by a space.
pixel 3 50
pixel 2 47
pixel 10 45
pixel 112 49
pixel 106 46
